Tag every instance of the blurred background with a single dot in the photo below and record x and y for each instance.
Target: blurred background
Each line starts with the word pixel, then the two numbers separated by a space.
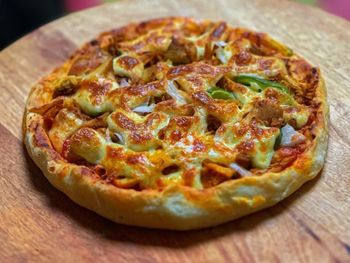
pixel 19 17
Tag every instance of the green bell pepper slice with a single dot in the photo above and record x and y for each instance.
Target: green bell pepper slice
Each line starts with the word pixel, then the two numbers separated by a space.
pixel 218 93
pixel 257 83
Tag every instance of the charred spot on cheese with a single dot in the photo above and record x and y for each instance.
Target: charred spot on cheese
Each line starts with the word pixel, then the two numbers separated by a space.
pixel 91 97
pixel 88 144
pixel 242 58
pixel 90 58
pixel 128 66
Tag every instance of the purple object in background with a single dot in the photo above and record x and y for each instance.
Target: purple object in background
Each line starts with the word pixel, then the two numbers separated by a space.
pixel 337 7
pixel 76 5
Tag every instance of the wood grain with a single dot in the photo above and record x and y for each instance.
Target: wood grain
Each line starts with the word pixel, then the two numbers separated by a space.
pixel 40 224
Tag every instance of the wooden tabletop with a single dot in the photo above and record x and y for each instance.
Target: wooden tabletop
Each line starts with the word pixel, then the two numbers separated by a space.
pixel 40 224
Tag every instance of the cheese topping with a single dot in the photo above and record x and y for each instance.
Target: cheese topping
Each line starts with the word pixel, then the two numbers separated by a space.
pixel 170 103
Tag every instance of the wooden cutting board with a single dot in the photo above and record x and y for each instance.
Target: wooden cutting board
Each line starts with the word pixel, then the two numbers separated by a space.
pixel 40 224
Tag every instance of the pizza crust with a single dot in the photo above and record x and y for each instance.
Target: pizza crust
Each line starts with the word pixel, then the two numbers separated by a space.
pixel 176 207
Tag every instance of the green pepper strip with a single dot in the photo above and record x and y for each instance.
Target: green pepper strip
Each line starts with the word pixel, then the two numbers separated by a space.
pixel 278 140
pixel 218 93
pixel 252 81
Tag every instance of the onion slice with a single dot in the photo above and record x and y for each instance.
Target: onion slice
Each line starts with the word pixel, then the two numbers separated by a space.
pixel 220 54
pixel 120 137
pixel 220 43
pixel 291 137
pixel 174 93
pixel 123 83
pixel 240 170
pixel 144 108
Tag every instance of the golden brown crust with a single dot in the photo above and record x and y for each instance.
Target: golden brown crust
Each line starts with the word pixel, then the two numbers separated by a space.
pixel 173 206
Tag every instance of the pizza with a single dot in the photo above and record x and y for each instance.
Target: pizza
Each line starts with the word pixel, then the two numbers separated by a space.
pixel 179 123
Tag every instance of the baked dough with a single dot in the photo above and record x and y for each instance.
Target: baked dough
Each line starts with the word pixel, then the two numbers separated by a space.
pixel 179 124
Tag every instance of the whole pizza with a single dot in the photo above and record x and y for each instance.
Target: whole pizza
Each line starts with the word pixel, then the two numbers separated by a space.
pixel 178 123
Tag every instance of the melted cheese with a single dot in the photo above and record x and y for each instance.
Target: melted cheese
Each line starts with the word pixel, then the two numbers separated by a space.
pixel 300 116
pixel 264 150
pixel 178 130
pixel 259 147
pixel 84 100
pixel 65 124
pixel 128 66
pixel 89 144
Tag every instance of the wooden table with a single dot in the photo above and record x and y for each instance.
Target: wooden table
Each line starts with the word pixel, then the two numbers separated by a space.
pixel 40 224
